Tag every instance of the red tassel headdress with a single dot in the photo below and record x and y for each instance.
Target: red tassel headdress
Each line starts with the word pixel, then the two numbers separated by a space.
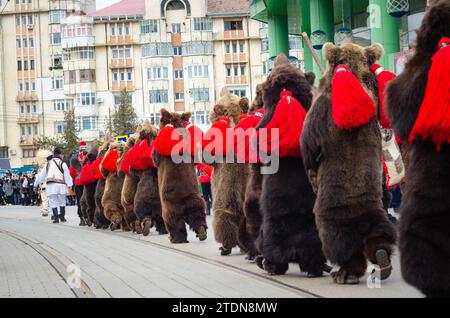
pixel 166 141
pixel 351 106
pixel 433 120
pixel 288 118
pixel 96 168
pixel 194 137
pixel 215 140
pixel 383 78
pixel 242 146
pixel 109 162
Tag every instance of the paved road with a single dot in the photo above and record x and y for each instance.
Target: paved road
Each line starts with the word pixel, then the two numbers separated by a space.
pixel 35 255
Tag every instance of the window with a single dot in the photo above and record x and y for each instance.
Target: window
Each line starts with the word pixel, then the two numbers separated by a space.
pixel 25 65
pixel 117 99
pixel 176 27
pixel 19 43
pixel 178 74
pixel 177 51
pixel 29 153
pixel 239 92
pixel 236 71
pixel 179 96
pixel 55 16
pixel 233 25
pixel 84 75
pixel 35 129
pixel 55 38
pixel 227 48
pixel 86 53
pixel 31 42
pixel 156 49
pixel 149 26
pixel 228 71
pixel 34 108
pixel 122 76
pixel 129 76
pixel 155 118
pixel 56 61
pixel 200 118
pixel 20 87
pixel 202 24
pixel 265 45
pixel 155 73
pixel 33 86
pixel 19 65
pixel 295 42
pixel 61 105
pixel 158 96
pixel 113 31
pixel 27 86
pixel 196 71
pixel 241 47
pixel 17 20
pixel 242 70
pixel 60 127
pixel 57 83
pixel 235 47
pixel 87 122
pixel 127 30
pixel 22 131
pixel 85 99
pixel 200 94
pixel 32 66
pixel 197 48
pixel 120 52
pixel 30 20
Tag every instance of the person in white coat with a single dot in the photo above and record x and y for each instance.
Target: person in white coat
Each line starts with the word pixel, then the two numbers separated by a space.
pixel 56 174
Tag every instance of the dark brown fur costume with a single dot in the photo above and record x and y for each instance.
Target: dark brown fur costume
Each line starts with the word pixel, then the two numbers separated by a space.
pixel 345 169
pixel 147 203
pixel 179 191
pixel 288 231
pixel 228 183
pixel 425 211
pixel 88 197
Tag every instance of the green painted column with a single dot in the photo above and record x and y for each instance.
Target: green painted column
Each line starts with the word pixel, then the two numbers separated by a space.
pixel 278 27
pixel 306 27
pixel 384 30
pixel 322 18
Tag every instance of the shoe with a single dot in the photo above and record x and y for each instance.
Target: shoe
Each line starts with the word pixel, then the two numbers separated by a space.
pixel 82 222
pixel 62 218
pixel 56 220
pixel 46 214
pixel 384 264
pixel 62 211
pixel 201 233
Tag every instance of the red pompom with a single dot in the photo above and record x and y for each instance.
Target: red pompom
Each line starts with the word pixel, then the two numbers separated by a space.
pixel 242 146
pixel 87 174
pixel 168 141
pixel 433 120
pixel 288 118
pixel 351 105
pixel 96 168
pixel 141 156
pixel 194 138
pixel 109 163
pixel 125 163
pixel 383 78
pixel 215 140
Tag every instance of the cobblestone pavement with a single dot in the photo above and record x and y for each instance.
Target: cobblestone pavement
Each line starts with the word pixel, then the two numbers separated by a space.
pixel 121 264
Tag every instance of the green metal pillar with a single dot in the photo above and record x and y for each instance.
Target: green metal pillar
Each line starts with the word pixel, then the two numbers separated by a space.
pixel 306 27
pixel 322 18
pixel 384 30
pixel 278 27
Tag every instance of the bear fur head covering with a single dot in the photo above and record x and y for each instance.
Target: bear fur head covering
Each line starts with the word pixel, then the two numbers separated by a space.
pixel 433 120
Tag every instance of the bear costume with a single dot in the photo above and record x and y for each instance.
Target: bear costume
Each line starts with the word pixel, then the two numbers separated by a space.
pixel 418 105
pixel 87 179
pixel 147 204
pixel 129 185
pixel 288 233
pixel 99 218
pixel 341 145
pixel 229 178
pixel 178 187
pixel 111 199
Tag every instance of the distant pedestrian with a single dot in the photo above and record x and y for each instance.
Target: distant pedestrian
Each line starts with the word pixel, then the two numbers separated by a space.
pixel 205 182
pixel 56 174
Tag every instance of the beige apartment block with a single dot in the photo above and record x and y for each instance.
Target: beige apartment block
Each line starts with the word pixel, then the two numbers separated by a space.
pixel 176 54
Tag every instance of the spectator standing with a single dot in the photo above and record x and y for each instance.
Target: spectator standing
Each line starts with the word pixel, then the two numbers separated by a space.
pixel 205 182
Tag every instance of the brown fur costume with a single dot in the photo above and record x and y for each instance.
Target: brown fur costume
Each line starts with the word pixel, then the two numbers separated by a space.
pixel 111 199
pixel 288 232
pixel 88 197
pixel 147 203
pixel 129 188
pixel 228 183
pixel 345 169
pixel 424 223
pixel 258 101
pixel 99 218
pixel 178 189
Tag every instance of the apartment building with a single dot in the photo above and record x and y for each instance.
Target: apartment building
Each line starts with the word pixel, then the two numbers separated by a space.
pixel 176 54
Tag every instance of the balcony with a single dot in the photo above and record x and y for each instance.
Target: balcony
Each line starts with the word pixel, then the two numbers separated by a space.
pixel 235 58
pixel 27 141
pixel 26 97
pixel 121 63
pixel 28 118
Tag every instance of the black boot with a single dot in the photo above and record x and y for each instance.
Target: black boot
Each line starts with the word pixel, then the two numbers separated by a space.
pixel 62 210
pixel 55 215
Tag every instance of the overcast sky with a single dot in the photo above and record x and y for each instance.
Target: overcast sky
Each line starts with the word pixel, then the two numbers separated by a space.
pixel 104 3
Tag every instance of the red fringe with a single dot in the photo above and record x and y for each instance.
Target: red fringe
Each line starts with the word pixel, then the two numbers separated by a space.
pixel 96 168
pixel 109 163
pixel 433 120
pixel 195 136
pixel 248 124
pixel 351 105
pixel 383 78
pixel 217 144
pixel 288 117
pixel 141 156
pixel 165 142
